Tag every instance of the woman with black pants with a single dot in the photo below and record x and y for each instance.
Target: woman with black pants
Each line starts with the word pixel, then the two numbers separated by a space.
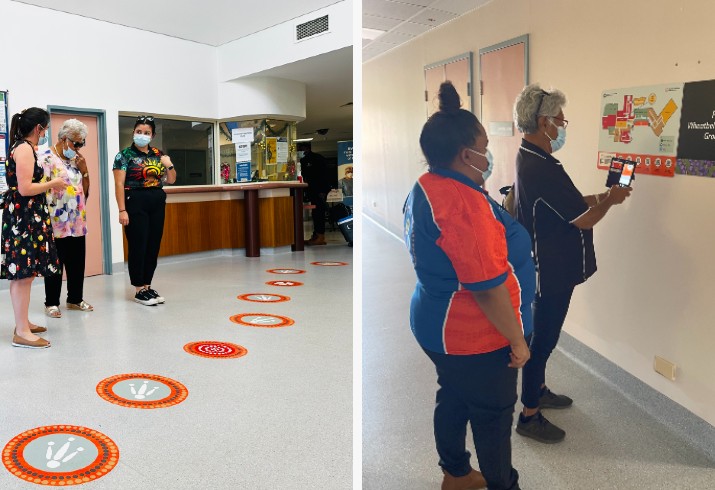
pixel 139 173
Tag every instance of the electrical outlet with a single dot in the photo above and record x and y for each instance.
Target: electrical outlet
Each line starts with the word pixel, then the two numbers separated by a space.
pixel 664 367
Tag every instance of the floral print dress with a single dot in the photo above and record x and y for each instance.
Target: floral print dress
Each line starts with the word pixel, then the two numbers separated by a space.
pixel 28 247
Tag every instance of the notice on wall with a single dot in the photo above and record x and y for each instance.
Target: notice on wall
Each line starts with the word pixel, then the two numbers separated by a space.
pixel 243 171
pixel 242 135
pixel 666 129
pixel 282 149
pixel 641 124
pixel 3 111
pixel 243 152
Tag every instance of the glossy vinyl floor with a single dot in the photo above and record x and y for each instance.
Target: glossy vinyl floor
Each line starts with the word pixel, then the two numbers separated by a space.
pixel 279 417
pixel 610 444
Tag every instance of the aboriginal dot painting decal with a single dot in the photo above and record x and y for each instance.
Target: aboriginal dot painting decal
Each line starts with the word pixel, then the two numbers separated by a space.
pixel 142 391
pixel 329 264
pixel 60 455
pixel 284 283
pixel 286 271
pixel 264 297
pixel 263 320
pixel 215 349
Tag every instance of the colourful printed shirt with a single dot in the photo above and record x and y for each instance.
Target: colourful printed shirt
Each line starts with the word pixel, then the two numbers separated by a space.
pixel 67 207
pixel 461 241
pixel 143 169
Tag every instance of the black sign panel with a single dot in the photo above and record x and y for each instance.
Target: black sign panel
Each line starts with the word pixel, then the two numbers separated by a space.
pixel 696 140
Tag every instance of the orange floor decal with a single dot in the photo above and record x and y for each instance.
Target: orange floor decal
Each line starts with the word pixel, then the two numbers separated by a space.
pixel 284 283
pixel 139 390
pixel 263 320
pixel 60 455
pixel 215 349
pixel 264 297
pixel 286 271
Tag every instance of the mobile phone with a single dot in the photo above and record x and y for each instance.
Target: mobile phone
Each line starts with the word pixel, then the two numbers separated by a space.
pixel 629 168
pixel 621 172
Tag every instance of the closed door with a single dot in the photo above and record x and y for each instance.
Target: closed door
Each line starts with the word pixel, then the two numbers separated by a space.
pixel 457 71
pixel 502 71
pixel 90 152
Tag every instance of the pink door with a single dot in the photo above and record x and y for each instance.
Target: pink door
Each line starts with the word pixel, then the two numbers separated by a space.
pixel 457 71
pixel 90 152
pixel 503 76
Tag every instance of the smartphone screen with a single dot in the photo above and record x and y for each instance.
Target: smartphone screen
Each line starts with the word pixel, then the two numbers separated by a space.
pixel 626 175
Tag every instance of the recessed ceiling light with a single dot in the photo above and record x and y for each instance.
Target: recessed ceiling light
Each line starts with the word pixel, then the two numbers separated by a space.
pixel 371 34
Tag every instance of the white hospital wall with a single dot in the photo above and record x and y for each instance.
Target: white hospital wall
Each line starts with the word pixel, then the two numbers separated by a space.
pixel 652 294
pixel 53 58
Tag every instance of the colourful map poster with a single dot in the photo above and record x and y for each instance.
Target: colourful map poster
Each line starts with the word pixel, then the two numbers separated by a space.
pixel 641 124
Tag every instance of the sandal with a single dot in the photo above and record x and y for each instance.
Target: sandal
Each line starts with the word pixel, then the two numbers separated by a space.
pixel 82 306
pixel 53 311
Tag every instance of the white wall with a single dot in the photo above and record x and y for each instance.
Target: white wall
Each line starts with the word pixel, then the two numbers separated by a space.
pixel 116 69
pixel 262 97
pixel 276 47
pixel 654 299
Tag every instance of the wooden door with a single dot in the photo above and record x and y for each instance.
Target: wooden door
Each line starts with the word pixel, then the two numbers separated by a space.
pixel 503 75
pixel 90 152
pixel 457 70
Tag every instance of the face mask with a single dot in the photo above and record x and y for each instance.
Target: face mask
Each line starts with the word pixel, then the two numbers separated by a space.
pixel 42 140
pixel 560 140
pixel 301 154
pixel 490 161
pixel 69 153
pixel 141 140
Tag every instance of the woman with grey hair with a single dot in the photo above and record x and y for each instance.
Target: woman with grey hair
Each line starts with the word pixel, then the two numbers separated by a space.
pixel 559 220
pixel 68 215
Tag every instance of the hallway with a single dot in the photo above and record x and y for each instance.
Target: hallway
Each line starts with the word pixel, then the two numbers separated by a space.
pixel 611 443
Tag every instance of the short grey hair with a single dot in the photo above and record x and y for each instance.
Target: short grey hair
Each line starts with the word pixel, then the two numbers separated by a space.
pixel 73 127
pixel 533 98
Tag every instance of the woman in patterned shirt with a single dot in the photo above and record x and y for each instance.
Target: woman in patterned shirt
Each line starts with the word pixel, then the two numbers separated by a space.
pixel 68 215
pixel 139 173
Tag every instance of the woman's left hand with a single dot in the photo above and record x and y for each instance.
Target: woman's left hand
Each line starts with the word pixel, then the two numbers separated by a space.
pixel 165 160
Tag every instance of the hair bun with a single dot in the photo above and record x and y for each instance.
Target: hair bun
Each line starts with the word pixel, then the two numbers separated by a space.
pixel 448 98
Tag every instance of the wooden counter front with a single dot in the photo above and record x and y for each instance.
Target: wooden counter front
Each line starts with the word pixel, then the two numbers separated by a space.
pixel 221 219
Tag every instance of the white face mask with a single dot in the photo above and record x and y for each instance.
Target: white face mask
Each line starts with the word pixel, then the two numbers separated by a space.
pixel 490 163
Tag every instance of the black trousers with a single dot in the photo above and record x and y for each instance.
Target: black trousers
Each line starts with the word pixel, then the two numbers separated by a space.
pixel 478 389
pixel 318 214
pixel 549 315
pixel 146 208
pixel 71 251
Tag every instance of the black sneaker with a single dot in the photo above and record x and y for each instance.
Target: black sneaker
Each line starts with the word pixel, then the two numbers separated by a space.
pixel 145 298
pixel 155 295
pixel 540 429
pixel 552 400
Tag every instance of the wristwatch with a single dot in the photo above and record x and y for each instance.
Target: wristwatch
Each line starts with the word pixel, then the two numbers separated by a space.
pixel 85 175
pixel 171 167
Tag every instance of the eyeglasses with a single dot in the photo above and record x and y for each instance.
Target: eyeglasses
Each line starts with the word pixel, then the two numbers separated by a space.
pixel 565 122
pixel 143 119
pixel 544 93
pixel 77 145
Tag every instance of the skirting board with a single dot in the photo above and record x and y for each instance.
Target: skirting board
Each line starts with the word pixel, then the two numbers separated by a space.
pixel 674 417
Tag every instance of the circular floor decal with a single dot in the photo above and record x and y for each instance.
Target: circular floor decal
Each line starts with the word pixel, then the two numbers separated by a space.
pixel 138 390
pixel 60 455
pixel 286 271
pixel 284 283
pixel 264 297
pixel 215 349
pixel 329 263
pixel 261 320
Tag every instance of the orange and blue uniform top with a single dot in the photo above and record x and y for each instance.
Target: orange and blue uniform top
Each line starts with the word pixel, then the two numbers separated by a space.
pixel 461 241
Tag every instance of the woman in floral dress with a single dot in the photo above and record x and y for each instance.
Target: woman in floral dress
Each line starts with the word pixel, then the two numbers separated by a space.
pixel 28 248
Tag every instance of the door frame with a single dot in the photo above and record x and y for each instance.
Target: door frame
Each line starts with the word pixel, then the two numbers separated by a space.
pixel 470 83
pixel 101 116
pixel 496 47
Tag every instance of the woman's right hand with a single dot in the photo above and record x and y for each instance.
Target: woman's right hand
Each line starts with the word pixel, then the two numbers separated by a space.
pixel 519 354
pixel 57 184
pixel 123 218
pixel 618 194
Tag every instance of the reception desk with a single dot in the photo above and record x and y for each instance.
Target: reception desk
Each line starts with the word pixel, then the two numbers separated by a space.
pixel 250 215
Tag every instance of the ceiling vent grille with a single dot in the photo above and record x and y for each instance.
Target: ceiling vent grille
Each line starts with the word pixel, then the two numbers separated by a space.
pixel 311 28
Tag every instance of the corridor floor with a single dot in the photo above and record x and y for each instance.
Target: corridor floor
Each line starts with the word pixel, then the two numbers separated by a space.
pixel 279 417
pixel 610 444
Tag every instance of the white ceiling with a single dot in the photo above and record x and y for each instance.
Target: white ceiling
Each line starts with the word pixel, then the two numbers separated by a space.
pixel 389 23
pixel 328 77
pixel 212 22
